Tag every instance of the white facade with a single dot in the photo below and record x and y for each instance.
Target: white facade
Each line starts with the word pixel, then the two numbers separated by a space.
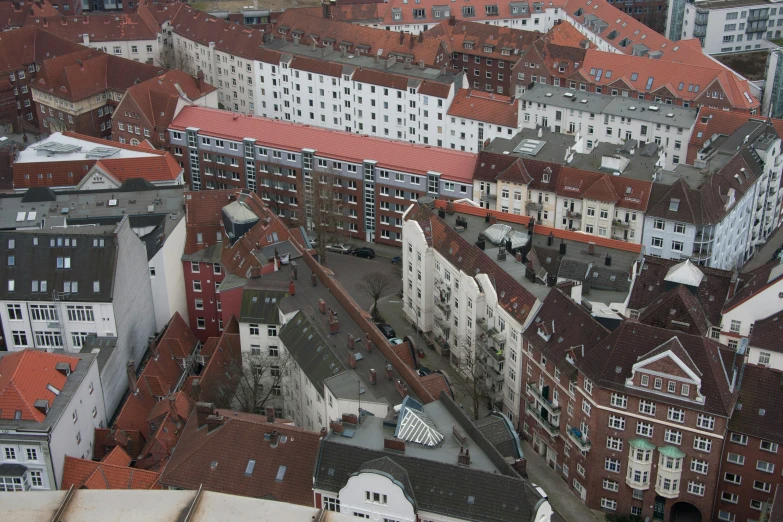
pixel 72 426
pixel 463 309
pixel 469 135
pixel 737 322
pixel 167 278
pixel 358 498
pixel 143 50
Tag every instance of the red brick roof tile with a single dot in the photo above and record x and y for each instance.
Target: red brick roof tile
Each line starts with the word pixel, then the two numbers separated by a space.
pixel 767 333
pixel 24 377
pixel 110 27
pixel 117 457
pixel 498 39
pixel 228 37
pixel 27 45
pixel 87 474
pixel 481 106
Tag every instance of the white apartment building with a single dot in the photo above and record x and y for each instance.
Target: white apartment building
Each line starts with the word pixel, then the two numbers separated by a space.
pixel 52 404
pixel 596 118
pixel 449 294
pixel 756 302
pixel 476 118
pixel 63 283
pixel 318 387
pixel 720 224
pixel 723 27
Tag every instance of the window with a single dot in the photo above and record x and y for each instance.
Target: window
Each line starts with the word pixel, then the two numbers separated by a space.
pixel 616 422
pixel 706 422
pixel 644 380
pixel 375 498
pixel 647 407
pixel 676 414
pixel 619 400
pixel 766 467
pixel 735 458
pixel 738 438
pixel 614 443
pixel 608 504
pixel 197 286
pixel 14 312
pixel 766 487
pixel 612 465
pixel 696 488
pixel 658 383
pixel 699 466
pixel 735 326
pixel 331 504
pixel 645 429
pixel 672 436
pixel 10 453
pixel 772 447
pixel 611 485
pixel 702 444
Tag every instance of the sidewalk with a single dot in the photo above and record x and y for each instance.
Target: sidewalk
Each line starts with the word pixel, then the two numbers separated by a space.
pixel 563 500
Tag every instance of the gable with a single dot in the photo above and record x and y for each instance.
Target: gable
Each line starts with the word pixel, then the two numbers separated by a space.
pixel 97 179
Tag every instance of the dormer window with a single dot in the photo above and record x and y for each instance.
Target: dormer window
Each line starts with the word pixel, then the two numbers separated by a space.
pixel 467 10
pixel 468 45
pixel 487 48
pixel 491 10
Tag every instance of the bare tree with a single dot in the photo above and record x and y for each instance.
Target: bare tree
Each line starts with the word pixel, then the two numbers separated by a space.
pixel 475 379
pixel 256 382
pixel 374 285
pixel 326 211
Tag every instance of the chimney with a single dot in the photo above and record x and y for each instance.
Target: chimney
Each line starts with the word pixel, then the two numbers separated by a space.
pixel 63 367
pixel 421 64
pixel 464 456
pixel 130 369
pixel 173 408
pixel 443 71
pixel 402 37
pixel 336 427
pixel 255 272
pixel 350 418
pixel 213 422
pixel 296 40
pixel 324 431
pixel 452 20
pixel 390 62
pixel 328 48
pixel 270 414
pixel 326 8
pixel 421 36
pixel 195 389
pixel 274 437
pixel 80 64
pixel 291 287
pixel 312 47
pixel 45 22
pixel 153 349
pixel 394 444
pixel 459 435
pixel 200 80
pixel 203 410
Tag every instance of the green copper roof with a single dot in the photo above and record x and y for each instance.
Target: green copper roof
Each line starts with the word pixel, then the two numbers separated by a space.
pixel 671 451
pixel 642 444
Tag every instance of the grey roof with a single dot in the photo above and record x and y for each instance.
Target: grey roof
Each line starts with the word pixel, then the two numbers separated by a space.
pixel 134 184
pixel 387 466
pixel 347 385
pixel 102 347
pixel 39 263
pixel 260 306
pixel 498 430
pixel 211 254
pixel 282 248
pixel 438 487
pixel 38 194
pixel 311 350
pixel 597 274
pixel 12 470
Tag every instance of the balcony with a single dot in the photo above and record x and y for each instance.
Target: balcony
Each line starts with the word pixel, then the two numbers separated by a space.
pixel 543 420
pixel 488 196
pixel 551 407
pixel 573 215
pixel 579 439
pixel 444 325
pixel 492 372
pixel 534 205
pixel 443 306
pixel 619 223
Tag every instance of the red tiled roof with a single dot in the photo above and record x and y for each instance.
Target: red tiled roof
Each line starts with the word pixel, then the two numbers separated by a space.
pixel 221 367
pixel 382 79
pixel 98 72
pixel 203 214
pixel 228 37
pixel 439 90
pixel 157 97
pixel 27 45
pixel 24 377
pixel 117 457
pixel 760 392
pixel 351 35
pixel 767 333
pixel 576 183
pixel 88 474
pixel 713 121
pixel 312 65
pixel 498 39
pixel 166 420
pixel 453 165
pixel 217 458
pixel 481 106
pixel 436 383
pixel 112 27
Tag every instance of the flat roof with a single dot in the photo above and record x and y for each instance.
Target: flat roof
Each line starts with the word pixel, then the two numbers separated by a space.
pixel 59 147
pixel 372 431
pixel 613 105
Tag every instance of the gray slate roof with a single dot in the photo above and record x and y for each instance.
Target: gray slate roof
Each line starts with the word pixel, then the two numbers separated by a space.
pixel 600 277
pixel 39 263
pixel 446 489
pixel 495 427
pixel 387 466
pixel 311 351
pixel 260 306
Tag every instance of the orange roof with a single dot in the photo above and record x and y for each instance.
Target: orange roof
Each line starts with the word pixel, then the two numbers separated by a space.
pixel 156 168
pixel 228 37
pixel 346 146
pixel 111 27
pixel 487 40
pixel 24 379
pixel 716 121
pixel 117 457
pixel 482 106
pixel 567 35
pixel 88 474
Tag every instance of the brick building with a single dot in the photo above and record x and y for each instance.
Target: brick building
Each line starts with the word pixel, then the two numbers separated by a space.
pixel 24 51
pixel 632 418
pixel 79 91
pixel 146 109
pixel 486 53
pixel 751 461
pixel 288 164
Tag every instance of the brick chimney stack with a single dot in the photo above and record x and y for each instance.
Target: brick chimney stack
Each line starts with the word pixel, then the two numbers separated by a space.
pixel 203 411
pixel 130 369
pixel 464 456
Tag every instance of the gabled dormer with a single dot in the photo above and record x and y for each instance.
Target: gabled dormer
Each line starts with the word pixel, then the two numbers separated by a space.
pixel 668 370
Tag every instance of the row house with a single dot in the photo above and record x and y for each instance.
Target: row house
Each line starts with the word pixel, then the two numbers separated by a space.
pixel 62 285
pixel 751 459
pixel 399 15
pixel 658 131
pixel 371 180
pixel 80 91
pixel 52 402
pixel 641 435
pixel 562 197
pixel 721 223
pixel 146 110
pixel 476 118
pixel 763 343
pixel 487 54
pixel 454 292
pixel 26 48
pixel 129 36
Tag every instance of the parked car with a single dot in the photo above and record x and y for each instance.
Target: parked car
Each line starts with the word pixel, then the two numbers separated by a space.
pixel 386 330
pixel 423 371
pixel 340 248
pixel 367 253
pixel 395 340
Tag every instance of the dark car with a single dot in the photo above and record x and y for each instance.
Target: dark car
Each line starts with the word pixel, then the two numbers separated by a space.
pixel 386 330
pixel 423 371
pixel 367 253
